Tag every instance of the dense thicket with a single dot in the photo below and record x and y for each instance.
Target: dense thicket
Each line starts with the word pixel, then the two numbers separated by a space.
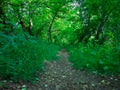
pixel 21 57
pixel 89 28
pixel 98 36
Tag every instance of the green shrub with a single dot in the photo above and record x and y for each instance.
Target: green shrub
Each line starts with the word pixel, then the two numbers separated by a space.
pixel 21 57
pixel 103 59
pixel 50 51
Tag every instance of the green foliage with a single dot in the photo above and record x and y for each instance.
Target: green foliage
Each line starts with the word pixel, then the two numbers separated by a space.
pixel 64 22
pixel 102 59
pixel 22 56
pixel 50 52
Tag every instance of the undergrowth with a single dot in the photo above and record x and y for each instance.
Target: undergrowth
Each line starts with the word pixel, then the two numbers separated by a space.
pixel 100 59
pixel 22 56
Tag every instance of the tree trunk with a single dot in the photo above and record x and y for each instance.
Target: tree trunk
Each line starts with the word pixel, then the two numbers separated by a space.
pixel 50 27
pixel 30 22
pixel 105 17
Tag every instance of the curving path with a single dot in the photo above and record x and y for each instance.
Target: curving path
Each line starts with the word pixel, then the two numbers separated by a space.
pixel 59 75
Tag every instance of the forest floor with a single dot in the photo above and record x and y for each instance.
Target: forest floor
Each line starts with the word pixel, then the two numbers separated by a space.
pixel 60 75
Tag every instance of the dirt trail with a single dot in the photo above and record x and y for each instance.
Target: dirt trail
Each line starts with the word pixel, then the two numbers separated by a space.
pixel 59 75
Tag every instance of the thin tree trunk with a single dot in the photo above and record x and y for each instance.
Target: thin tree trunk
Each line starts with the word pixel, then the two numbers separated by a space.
pixel 101 25
pixel 30 22
pixel 50 27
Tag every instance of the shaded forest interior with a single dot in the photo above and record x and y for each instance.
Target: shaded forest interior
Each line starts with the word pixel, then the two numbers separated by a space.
pixel 34 31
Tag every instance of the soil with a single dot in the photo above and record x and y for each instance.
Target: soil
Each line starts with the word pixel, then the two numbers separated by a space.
pixel 60 75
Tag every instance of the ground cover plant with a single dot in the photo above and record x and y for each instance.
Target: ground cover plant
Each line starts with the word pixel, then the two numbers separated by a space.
pixel 22 57
pixel 99 59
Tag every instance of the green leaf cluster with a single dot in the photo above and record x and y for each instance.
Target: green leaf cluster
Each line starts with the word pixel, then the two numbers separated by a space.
pixel 101 59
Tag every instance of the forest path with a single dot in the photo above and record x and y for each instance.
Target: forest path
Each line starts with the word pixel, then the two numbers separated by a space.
pixel 59 75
